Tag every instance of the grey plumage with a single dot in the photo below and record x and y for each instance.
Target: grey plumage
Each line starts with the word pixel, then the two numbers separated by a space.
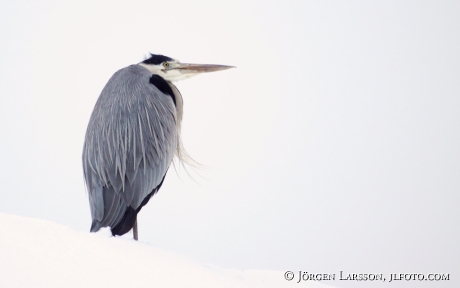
pixel 130 142
pixel 132 137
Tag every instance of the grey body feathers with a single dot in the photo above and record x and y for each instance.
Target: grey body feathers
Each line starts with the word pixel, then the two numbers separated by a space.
pixel 132 136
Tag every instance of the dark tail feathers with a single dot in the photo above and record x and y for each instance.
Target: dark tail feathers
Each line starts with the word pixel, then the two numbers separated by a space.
pixel 126 223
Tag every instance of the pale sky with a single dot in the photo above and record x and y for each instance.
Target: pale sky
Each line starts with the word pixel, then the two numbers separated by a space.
pixel 334 144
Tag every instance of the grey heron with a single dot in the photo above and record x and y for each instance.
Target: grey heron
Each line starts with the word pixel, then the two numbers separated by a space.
pixel 132 136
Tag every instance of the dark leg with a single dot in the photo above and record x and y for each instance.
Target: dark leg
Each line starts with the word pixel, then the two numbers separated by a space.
pixel 135 233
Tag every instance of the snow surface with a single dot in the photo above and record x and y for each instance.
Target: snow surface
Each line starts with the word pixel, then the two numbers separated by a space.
pixel 38 253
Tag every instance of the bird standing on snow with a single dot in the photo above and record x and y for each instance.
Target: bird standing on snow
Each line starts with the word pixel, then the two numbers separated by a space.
pixel 132 136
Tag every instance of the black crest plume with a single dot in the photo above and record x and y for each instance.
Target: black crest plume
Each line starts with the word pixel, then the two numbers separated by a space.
pixel 156 59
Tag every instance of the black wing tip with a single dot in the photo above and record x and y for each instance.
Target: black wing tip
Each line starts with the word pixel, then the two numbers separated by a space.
pixel 129 217
pixel 126 223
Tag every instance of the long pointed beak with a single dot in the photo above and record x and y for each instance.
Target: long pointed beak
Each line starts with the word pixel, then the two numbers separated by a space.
pixel 200 68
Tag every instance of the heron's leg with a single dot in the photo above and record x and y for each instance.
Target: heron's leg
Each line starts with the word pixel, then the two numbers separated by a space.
pixel 135 235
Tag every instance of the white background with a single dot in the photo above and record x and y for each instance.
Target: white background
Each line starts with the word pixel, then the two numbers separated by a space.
pixel 334 144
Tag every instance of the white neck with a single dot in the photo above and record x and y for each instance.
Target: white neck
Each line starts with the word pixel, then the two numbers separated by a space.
pixel 169 75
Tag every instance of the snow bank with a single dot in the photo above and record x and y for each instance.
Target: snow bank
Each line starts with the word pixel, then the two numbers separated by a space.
pixel 37 253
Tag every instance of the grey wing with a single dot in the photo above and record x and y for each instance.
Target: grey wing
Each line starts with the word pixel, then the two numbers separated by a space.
pixel 130 143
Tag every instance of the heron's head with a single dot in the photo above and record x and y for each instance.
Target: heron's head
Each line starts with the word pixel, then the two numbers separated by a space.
pixel 172 70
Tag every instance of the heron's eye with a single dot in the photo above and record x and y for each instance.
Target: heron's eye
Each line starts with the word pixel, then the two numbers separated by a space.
pixel 166 64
